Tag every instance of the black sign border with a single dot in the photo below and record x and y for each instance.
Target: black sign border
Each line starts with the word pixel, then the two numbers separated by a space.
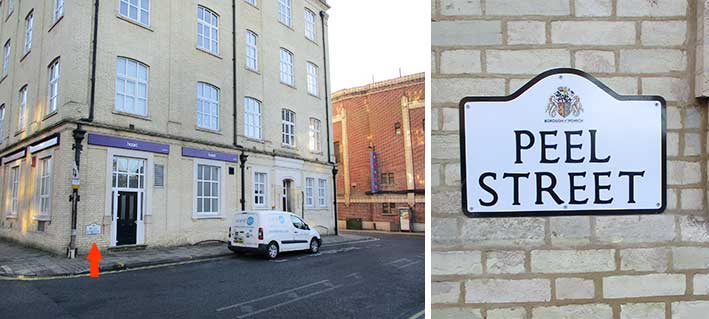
pixel 570 212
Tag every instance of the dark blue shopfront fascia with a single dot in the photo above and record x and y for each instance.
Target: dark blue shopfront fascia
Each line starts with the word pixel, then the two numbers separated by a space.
pixel 130 144
pixel 138 145
pixel 212 155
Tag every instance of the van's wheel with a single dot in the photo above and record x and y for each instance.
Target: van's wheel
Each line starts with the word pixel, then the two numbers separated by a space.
pixel 314 246
pixel 272 250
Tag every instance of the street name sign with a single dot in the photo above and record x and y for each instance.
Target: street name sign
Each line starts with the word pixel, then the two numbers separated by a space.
pixel 563 144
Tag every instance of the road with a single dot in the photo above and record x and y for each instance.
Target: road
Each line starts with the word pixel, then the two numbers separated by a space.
pixel 374 279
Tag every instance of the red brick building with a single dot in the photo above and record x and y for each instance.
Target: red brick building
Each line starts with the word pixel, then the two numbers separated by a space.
pixel 385 120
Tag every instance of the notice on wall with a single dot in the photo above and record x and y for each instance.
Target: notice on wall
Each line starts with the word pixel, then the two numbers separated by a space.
pixel 93 229
pixel 563 144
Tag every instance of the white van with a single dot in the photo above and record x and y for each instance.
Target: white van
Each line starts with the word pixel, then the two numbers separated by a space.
pixel 271 232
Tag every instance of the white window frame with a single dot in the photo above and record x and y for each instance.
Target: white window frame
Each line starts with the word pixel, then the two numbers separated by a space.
pixel 58 10
pixel 29 25
pixel 310 25
pixel 260 189
pixel 309 192
pixel 44 185
pixel 287 127
pixel 22 109
pixel 210 41
pixel 312 75
pixel 139 9
pixel 322 192
pixel 314 133
pixel 2 122
pixel 251 50
pixel 252 118
pixel 284 12
pixel 136 81
pixel 287 73
pixel 6 57
pixel 207 106
pixel 53 86
pixel 13 181
pixel 220 197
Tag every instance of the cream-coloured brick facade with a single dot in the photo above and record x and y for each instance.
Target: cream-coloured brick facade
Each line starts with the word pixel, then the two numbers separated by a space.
pixel 168 46
pixel 604 267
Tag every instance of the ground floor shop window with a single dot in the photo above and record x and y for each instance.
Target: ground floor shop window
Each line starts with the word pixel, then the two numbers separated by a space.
pixel 14 189
pixel 45 186
pixel 208 189
pixel 322 185
pixel 259 189
pixel 128 173
pixel 309 183
pixel 388 209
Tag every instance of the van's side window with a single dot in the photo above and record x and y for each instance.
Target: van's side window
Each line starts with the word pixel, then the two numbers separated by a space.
pixel 297 222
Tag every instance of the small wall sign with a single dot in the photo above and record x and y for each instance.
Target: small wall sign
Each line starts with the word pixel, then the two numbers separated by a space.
pixel 93 229
pixel 563 144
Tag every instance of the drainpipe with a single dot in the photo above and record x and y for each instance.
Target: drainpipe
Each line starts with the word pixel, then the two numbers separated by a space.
pixel 323 18
pixel 242 164
pixel 233 62
pixel 243 157
pixel 93 65
pixel 78 134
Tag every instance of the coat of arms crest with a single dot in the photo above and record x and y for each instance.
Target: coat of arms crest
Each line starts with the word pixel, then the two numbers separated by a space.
pixel 564 102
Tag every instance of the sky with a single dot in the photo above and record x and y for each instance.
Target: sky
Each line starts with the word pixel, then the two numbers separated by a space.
pixel 377 38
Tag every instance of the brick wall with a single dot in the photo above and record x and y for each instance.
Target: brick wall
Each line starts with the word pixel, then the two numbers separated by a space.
pixel 367 116
pixel 614 267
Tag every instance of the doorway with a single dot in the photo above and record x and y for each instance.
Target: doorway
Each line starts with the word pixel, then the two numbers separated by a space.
pixel 127 226
pixel 128 195
pixel 287 196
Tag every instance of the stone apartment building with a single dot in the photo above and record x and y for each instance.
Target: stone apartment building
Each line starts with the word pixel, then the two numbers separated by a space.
pixel 185 111
pixel 600 267
pixel 384 120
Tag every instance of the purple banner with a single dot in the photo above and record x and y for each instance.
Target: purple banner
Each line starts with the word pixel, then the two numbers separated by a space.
pixel 217 156
pixel 119 142
pixel 374 169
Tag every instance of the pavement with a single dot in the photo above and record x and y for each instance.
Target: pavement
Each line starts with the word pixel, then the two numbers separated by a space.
pixel 19 262
pixel 365 279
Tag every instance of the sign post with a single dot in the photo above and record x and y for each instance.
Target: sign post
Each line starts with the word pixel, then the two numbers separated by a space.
pixel 563 144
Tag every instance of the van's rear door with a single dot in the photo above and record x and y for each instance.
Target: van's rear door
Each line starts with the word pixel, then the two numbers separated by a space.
pixel 245 230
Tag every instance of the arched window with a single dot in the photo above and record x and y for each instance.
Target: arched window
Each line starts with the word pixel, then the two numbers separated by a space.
pixel 207 106
pixel 252 118
pixel 207 30
pixel 131 87
pixel 310 32
pixel 53 87
pixel 251 50
pixel 288 127
pixel 287 75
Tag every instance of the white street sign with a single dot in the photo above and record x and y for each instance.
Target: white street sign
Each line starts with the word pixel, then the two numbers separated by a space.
pixel 564 144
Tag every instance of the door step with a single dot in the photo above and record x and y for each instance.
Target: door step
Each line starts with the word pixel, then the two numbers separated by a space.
pixel 127 248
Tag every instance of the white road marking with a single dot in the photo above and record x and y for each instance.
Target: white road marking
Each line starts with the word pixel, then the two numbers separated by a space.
pixel 409 264
pixel 290 301
pixel 273 295
pixel 398 261
pixel 420 314
pixel 351 243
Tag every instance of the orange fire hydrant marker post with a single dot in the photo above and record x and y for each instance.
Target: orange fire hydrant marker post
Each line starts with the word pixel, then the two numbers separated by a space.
pixel 94 257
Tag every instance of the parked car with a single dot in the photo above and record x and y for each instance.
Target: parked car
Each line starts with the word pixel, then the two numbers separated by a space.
pixel 270 233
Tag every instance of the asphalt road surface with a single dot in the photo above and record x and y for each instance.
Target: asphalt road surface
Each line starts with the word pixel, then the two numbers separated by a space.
pixel 375 279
